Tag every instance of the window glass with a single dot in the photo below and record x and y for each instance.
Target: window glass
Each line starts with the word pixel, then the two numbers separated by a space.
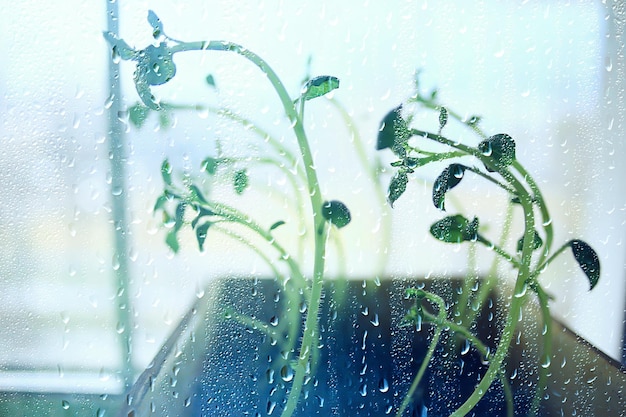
pixel 550 74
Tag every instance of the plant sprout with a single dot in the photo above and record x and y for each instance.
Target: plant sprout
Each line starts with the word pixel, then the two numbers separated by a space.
pixel 185 202
pixel 496 155
pixel 155 66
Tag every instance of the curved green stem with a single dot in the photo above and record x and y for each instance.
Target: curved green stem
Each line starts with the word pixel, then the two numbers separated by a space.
pixel 292 294
pixel 497 249
pixel 523 275
pixel 546 354
pixel 441 315
pixel 373 173
pixel 543 208
pixel 310 327
pixel 517 300
pixel 487 286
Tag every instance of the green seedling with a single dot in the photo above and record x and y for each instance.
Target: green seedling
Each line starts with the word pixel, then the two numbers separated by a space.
pixel 496 162
pixel 187 201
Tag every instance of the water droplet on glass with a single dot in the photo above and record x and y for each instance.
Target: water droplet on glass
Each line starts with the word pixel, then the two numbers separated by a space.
pixel 375 321
pixel 100 412
pixel 109 101
pixel 383 385
pixel 199 291
pixel 115 263
pixel 363 390
pixel 119 328
pixel 488 150
pixel 65 404
pixel 466 347
pixel 286 373
pixel 522 291
pixel 271 405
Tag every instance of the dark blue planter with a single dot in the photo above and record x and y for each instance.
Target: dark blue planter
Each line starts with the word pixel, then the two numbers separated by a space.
pixel 216 366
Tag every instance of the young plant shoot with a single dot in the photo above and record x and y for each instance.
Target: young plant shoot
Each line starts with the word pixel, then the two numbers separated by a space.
pixel 498 164
pixel 155 66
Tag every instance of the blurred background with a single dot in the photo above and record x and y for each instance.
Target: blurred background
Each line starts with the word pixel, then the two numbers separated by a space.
pixel 85 274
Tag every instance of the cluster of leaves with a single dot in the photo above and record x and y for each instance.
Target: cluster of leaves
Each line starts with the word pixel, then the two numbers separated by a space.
pixel 498 164
pixel 179 200
pixel 497 154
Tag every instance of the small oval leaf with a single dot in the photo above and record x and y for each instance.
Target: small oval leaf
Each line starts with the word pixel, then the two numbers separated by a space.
pixel 159 64
pixel 119 46
pixel 202 212
pixel 209 165
pixel 448 179
pixel 138 114
pixel 455 229
pixel 160 203
pixel 393 133
pixel 337 213
pixel 143 88
pixel 166 172
pixel 201 233
pixel 210 80
pixel 319 86
pixel 277 224
pixel 500 149
pixel 240 181
pixel 397 186
pixel 155 22
pixel 537 242
pixel 172 240
pixel 588 261
pixel 443 117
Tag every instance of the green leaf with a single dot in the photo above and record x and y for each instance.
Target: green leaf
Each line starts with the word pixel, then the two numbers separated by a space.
pixel 319 86
pixel 143 88
pixel 166 172
pixel 119 47
pixel 397 186
pixel 448 179
pixel 172 236
pixel 172 240
pixel 240 181
pixel 154 67
pixel 537 242
pixel 336 212
pixel 587 259
pixel 210 80
pixel 277 224
pixel 158 62
pixel 202 212
pixel 165 121
pixel 201 233
pixel 155 22
pixel 196 194
pixel 443 117
pixel 137 115
pixel 179 216
pixel 500 149
pixel 160 202
pixel 209 165
pixel 455 229
pixel 393 133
